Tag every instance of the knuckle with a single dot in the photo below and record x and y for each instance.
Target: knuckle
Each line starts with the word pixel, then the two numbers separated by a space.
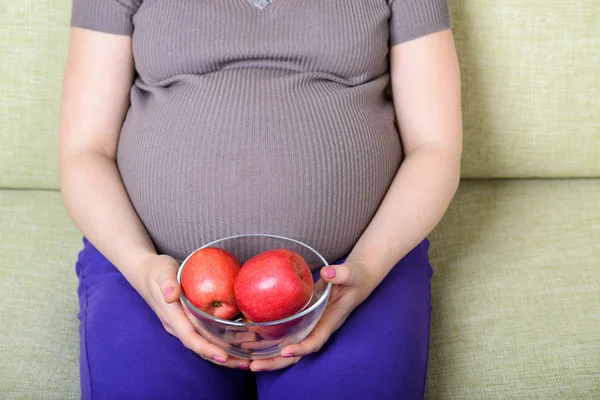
pixel 187 342
pixel 162 315
pixel 169 330
pixel 317 346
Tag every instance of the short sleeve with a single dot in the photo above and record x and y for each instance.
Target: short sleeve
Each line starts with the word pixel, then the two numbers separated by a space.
pixel 411 19
pixel 109 16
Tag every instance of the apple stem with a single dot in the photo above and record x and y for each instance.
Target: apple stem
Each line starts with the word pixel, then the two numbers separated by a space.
pixel 217 304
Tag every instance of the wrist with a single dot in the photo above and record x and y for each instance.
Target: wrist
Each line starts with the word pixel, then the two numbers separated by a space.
pixel 376 257
pixel 369 277
pixel 140 271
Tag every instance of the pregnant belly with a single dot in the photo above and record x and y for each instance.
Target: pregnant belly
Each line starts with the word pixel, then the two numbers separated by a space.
pixel 304 159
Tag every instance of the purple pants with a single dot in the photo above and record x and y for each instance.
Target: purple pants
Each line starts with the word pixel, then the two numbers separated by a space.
pixel 379 353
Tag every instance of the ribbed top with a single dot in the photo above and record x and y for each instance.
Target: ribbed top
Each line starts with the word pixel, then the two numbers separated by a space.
pixel 250 120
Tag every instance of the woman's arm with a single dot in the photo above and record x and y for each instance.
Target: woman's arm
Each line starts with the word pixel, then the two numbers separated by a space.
pixel 426 89
pixel 96 92
pixel 96 88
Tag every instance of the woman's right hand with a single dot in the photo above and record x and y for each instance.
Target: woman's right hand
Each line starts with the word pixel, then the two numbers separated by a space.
pixel 160 289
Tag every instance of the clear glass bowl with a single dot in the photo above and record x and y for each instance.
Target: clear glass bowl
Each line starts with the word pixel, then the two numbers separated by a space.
pixel 260 340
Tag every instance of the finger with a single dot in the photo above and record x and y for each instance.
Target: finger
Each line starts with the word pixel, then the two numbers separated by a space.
pixel 337 274
pixel 320 286
pixel 255 345
pixel 232 362
pixel 271 364
pixel 240 338
pixel 166 279
pixel 168 328
pixel 329 323
pixel 191 339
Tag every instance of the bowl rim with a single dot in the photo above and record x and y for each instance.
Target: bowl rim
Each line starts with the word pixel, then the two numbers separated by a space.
pixel 301 314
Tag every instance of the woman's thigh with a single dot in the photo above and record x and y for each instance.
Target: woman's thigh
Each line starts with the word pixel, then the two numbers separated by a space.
pixel 127 354
pixel 379 353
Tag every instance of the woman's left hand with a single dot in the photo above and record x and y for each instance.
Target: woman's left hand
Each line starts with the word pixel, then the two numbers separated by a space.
pixel 351 286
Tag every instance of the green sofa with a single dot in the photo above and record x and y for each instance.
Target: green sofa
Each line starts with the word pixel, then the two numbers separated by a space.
pixel 516 293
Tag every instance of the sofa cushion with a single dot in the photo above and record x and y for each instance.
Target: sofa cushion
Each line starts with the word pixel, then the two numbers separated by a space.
pixel 530 76
pixel 39 345
pixel 531 87
pixel 33 46
pixel 516 292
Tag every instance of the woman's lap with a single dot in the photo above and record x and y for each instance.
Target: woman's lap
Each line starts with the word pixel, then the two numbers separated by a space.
pixel 127 354
pixel 380 351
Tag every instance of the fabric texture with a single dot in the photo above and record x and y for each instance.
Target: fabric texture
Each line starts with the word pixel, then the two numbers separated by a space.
pixel 232 131
pixel 38 313
pixel 531 87
pixel 411 19
pixel 33 45
pixel 127 354
pixel 516 292
pixel 111 16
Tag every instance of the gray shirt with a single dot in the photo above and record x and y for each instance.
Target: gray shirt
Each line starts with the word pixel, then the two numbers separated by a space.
pixel 251 116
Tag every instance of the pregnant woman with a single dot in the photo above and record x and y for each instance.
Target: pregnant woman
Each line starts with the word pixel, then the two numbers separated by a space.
pixel 190 120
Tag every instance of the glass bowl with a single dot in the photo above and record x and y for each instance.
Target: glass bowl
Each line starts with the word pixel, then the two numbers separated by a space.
pixel 260 340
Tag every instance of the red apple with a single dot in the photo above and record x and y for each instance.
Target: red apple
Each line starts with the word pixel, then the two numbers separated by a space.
pixel 208 280
pixel 274 332
pixel 273 285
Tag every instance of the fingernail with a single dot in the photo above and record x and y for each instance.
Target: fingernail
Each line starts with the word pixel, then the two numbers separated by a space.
pixel 329 272
pixel 169 291
pixel 244 367
pixel 287 355
pixel 220 359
